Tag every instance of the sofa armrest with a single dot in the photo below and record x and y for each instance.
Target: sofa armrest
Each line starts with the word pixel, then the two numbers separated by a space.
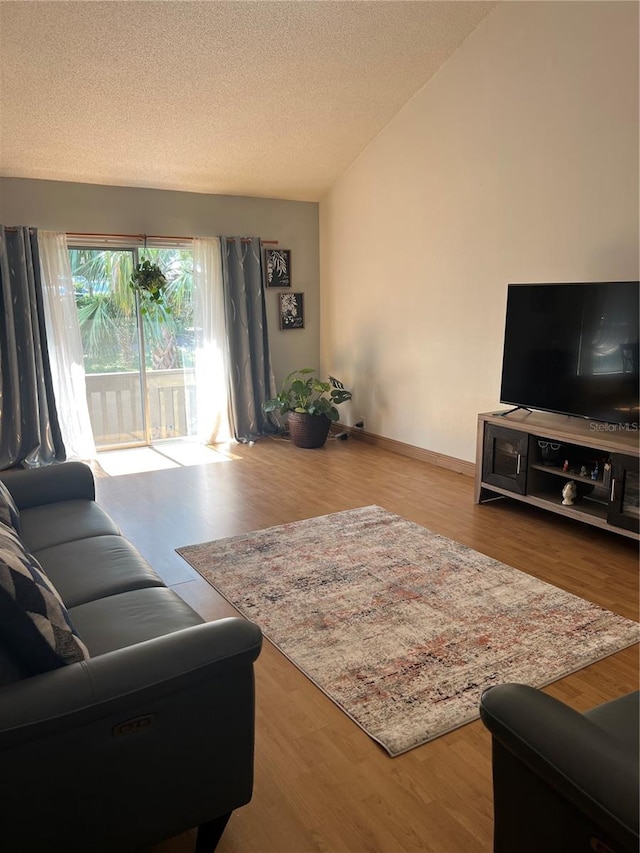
pixel 142 743
pixel 64 481
pixel 574 756
pixel 76 695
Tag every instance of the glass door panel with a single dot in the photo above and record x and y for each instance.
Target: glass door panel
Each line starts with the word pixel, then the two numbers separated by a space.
pixel 108 318
pixel 169 343
pixel 139 359
pixel 631 496
pixel 624 506
pixel 504 459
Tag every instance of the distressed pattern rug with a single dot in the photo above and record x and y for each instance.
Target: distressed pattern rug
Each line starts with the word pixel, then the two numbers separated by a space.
pixel 402 628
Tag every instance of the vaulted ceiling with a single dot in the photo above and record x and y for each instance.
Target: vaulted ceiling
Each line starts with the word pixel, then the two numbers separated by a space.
pixel 258 98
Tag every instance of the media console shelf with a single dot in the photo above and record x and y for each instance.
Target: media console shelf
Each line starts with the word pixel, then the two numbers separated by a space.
pixel 530 456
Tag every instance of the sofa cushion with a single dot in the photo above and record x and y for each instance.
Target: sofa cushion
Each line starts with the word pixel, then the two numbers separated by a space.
pixel 131 617
pixel 87 569
pixel 52 524
pixel 34 623
pixel 9 513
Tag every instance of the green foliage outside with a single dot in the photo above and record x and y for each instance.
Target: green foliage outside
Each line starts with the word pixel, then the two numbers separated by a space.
pixel 107 310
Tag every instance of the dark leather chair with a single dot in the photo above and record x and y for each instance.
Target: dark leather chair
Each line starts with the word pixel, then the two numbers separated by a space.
pixel 563 781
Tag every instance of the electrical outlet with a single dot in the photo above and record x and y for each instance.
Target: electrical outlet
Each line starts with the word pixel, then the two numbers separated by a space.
pixel 359 424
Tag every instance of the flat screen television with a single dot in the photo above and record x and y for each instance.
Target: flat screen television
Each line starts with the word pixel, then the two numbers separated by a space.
pixel 573 349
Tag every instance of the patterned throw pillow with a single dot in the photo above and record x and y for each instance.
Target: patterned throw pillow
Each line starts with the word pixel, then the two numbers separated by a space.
pixel 34 623
pixel 9 513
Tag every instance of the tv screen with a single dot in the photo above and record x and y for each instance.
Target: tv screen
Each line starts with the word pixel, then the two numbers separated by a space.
pixel 573 349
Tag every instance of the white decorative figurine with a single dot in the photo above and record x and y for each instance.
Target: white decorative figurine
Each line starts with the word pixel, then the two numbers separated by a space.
pixel 569 493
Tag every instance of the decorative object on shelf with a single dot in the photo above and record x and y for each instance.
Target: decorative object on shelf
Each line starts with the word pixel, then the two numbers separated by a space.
pixel 149 282
pixel 309 405
pixel 291 311
pixel 551 452
pixel 594 473
pixel 277 267
pixel 583 471
pixel 565 467
pixel 606 475
pixel 569 493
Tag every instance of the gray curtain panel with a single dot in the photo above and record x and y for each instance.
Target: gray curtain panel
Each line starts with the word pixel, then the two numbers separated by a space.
pixel 29 431
pixel 251 375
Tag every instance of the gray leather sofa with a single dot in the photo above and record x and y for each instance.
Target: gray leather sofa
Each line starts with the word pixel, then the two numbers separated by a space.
pixel 129 719
pixel 563 782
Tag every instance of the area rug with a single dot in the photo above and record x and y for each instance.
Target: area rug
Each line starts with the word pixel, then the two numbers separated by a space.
pixel 402 628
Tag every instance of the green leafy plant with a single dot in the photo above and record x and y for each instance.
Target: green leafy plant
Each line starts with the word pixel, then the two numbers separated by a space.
pixel 305 393
pixel 150 282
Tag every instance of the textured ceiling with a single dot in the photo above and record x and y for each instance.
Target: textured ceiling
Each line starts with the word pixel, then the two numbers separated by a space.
pixel 263 98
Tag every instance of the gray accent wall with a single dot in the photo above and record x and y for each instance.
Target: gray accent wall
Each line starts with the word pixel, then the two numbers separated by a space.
pixel 62 206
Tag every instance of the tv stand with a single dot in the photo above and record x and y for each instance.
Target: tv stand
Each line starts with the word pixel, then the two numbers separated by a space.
pixel 529 456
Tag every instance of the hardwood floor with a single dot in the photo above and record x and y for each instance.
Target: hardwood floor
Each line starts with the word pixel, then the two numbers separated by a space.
pixel 321 784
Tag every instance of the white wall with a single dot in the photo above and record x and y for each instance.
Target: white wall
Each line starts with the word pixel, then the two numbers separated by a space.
pixel 61 206
pixel 517 162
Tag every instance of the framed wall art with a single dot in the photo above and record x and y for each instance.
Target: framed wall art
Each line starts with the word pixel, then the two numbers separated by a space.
pixel 277 267
pixel 291 311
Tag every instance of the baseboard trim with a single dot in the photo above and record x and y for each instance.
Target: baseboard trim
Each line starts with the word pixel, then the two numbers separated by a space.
pixel 460 466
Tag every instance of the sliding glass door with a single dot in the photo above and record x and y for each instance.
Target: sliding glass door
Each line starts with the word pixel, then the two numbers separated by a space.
pixel 139 366
pixel 169 347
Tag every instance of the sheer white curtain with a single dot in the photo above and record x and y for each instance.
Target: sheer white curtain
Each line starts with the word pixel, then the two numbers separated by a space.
pixel 65 346
pixel 212 397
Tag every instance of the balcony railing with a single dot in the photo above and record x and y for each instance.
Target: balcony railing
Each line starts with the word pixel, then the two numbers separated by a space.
pixel 115 406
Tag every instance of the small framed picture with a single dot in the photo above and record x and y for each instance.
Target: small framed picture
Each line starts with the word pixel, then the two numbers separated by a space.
pixel 292 311
pixel 277 267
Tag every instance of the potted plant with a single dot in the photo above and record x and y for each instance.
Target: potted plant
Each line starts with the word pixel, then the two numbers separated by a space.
pixel 309 406
pixel 149 282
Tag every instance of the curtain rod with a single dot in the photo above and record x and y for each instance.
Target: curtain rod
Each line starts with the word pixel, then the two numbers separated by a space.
pixel 153 237
pixel 13 230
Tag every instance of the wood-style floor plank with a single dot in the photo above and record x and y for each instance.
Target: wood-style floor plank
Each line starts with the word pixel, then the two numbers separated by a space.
pixel 321 784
